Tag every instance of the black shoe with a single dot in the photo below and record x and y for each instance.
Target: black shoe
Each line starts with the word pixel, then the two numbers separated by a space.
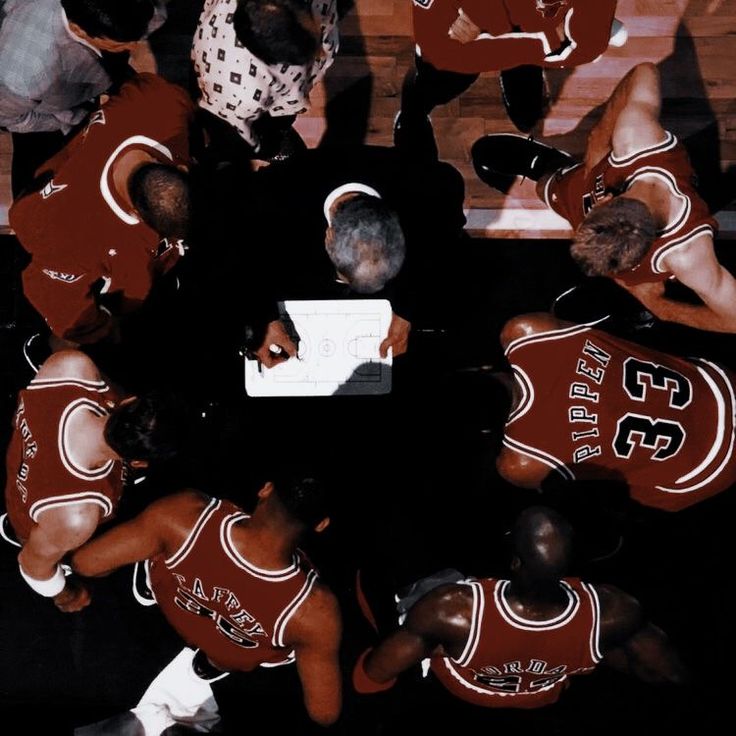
pixel 524 95
pixel 500 157
pixel 414 136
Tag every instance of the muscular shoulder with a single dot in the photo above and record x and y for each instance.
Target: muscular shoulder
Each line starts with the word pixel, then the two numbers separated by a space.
pixel 521 470
pixel 317 619
pixel 69 364
pixel 443 615
pixel 528 324
pixel 621 615
pixel 692 256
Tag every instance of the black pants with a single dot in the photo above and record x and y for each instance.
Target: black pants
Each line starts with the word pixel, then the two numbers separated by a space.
pixel 425 87
pixel 30 150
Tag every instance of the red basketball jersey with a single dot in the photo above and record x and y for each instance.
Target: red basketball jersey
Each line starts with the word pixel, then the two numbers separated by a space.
pixel 41 470
pixel 513 32
pixel 80 235
pixel 234 611
pixel 572 194
pixel 512 662
pixel 593 405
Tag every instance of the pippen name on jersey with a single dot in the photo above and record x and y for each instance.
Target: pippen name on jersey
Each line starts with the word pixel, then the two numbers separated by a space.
pixel 592 367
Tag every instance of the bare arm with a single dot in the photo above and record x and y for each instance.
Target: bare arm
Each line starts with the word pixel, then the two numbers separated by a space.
pixel 530 324
pixel 162 527
pixel 633 645
pixel 59 531
pixel 315 633
pixel 631 117
pixel 440 619
pixel 521 470
pixel 697 267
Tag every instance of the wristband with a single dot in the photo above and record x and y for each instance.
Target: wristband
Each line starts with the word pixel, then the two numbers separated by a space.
pixel 47 588
pixel 363 683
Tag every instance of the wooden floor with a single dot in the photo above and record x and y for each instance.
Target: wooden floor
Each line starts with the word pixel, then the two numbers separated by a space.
pixel 692 41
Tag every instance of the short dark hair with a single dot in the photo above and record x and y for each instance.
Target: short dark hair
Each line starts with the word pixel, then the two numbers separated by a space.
pixel 614 237
pixel 113 19
pixel 368 245
pixel 161 196
pixel 304 499
pixel 274 31
pixel 153 426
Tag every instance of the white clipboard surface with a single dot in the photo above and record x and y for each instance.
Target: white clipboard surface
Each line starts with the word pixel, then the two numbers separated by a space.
pixel 338 351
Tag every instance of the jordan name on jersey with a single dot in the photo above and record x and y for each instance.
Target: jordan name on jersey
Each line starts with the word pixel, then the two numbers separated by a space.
pixel 507 677
pixel 237 625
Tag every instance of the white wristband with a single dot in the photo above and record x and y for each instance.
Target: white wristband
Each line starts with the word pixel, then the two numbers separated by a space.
pixel 47 588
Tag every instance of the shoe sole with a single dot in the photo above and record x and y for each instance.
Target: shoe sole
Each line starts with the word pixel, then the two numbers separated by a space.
pixel 26 355
pixel 4 534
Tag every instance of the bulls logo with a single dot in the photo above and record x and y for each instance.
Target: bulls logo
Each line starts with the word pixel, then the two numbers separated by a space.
pixel 52 188
pixel 67 278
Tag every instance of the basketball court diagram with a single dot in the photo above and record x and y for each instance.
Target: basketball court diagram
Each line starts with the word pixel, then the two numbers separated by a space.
pixel 338 350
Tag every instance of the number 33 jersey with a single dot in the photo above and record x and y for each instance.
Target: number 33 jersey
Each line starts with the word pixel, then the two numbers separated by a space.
pixel 596 406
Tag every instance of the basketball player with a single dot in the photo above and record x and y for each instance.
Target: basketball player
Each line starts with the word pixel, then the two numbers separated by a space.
pixel 589 405
pixel 66 465
pixel 633 202
pixel 235 586
pixel 514 643
pixel 108 213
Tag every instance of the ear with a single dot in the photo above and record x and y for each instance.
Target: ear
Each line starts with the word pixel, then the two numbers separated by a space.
pixel 266 490
pixel 515 564
pixel 329 238
pixel 138 463
pixel 322 525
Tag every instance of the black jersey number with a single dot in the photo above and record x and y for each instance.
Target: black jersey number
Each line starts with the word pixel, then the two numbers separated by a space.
pixel 662 435
pixel 638 374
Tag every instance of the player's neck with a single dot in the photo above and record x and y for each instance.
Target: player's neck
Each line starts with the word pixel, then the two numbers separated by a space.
pixel 264 544
pixel 86 443
pixel 123 168
pixel 535 603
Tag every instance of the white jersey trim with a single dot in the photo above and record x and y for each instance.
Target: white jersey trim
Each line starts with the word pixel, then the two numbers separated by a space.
pixel 721 438
pixel 536 454
pixel 39 383
pixel 513 619
pixel 527 394
pixel 193 535
pixel 134 140
pixel 568 35
pixel 669 142
pixel 479 606
pixel 669 181
pixel 547 335
pixel 595 631
pixel 286 615
pixel 667 248
pixel 271 576
pixel 540 36
pixel 70 499
pixel 63 441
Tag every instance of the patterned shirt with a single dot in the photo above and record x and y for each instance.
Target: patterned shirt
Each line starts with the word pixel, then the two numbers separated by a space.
pixel 48 76
pixel 237 86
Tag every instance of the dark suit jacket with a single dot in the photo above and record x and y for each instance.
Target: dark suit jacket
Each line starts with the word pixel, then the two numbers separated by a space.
pixel 272 227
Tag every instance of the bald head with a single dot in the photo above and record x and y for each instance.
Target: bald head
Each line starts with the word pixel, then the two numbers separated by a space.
pixel 542 543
